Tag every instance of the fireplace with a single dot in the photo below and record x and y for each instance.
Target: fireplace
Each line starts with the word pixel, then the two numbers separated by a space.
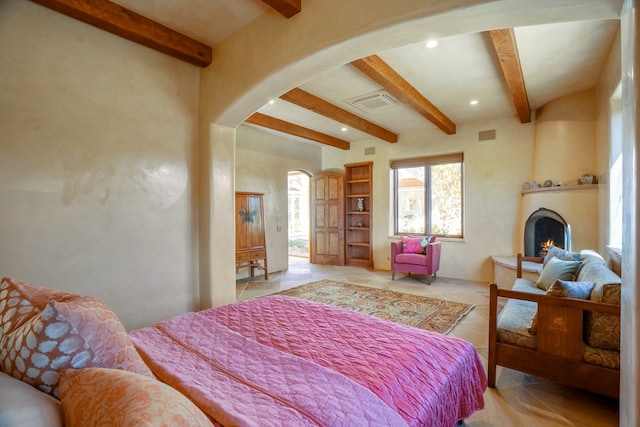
pixel 544 228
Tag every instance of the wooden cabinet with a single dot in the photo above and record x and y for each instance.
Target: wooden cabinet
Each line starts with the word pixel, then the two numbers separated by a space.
pixel 359 219
pixel 251 249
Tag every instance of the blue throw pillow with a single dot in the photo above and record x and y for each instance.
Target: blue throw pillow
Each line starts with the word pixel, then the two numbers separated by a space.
pixel 557 269
pixel 425 241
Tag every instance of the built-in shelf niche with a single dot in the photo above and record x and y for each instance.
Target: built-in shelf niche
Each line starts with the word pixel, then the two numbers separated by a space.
pixel 561 188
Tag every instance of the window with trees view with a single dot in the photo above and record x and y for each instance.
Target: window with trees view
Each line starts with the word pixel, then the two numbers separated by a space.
pixel 428 195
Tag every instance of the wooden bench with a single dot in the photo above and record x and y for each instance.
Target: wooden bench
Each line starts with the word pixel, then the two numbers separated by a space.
pixel 559 341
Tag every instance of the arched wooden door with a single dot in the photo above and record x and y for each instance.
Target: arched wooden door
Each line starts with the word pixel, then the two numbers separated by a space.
pixel 327 218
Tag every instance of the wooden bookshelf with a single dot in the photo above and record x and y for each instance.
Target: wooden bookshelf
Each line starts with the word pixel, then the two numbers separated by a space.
pixel 358 183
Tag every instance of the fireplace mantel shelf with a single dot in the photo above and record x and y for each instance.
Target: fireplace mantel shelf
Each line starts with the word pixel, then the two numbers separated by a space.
pixel 561 188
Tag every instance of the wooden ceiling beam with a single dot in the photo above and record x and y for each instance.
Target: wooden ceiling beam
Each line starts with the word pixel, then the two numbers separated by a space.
pixel 269 122
pixel 286 8
pixel 125 23
pixel 504 44
pixel 318 105
pixel 380 72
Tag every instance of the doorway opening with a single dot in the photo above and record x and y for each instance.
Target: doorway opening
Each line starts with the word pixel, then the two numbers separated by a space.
pixel 298 200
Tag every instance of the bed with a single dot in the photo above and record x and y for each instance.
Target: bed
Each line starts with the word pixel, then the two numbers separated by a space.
pixel 270 361
pixel 280 360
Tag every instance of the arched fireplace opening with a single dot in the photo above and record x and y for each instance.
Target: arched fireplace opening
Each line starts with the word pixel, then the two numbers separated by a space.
pixel 545 228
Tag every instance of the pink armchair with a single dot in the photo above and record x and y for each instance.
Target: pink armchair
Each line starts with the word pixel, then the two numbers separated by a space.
pixel 427 263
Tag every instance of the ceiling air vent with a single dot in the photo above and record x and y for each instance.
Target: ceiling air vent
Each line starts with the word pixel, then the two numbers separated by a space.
pixel 486 135
pixel 372 101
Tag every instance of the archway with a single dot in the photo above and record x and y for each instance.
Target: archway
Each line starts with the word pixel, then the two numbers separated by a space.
pixel 268 58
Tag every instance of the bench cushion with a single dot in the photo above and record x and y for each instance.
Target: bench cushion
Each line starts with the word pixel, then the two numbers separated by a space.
pixel 514 320
pixel 601 357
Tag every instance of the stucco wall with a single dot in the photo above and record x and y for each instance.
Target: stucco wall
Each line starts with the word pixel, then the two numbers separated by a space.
pixel 97 144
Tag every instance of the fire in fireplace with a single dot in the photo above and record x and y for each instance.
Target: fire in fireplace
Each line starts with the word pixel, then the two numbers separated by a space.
pixel 545 228
pixel 544 246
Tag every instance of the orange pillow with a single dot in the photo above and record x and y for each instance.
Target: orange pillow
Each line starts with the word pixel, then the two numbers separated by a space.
pixel 45 331
pixel 98 396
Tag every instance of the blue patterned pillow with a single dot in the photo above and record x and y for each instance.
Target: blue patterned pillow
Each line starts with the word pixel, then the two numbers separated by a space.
pixel 567 289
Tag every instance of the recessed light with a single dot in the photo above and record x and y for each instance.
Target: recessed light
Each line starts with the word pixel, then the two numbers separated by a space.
pixel 473 102
pixel 431 44
pixel 344 129
pixel 272 101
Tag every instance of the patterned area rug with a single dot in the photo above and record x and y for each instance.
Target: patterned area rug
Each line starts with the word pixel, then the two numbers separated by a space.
pixel 421 312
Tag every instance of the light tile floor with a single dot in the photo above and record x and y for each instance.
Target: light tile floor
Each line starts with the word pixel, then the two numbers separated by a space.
pixel 518 400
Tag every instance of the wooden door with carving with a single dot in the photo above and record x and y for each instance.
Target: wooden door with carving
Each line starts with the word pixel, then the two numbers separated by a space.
pixel 327 218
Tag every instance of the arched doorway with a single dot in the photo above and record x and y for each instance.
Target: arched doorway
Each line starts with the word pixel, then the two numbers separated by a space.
pixel 298 212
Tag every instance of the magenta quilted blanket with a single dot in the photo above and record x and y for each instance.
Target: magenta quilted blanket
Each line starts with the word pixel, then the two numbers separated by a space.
pixel 363 370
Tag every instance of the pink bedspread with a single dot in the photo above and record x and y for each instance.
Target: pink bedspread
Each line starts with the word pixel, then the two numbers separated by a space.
pixel 427 378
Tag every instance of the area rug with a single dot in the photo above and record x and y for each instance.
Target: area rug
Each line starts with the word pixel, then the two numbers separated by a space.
pixel 421 312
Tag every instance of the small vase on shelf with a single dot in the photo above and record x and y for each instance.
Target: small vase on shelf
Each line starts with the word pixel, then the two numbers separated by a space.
pixel 361 204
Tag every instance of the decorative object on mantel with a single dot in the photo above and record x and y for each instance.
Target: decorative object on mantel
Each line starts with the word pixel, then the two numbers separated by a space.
pixel 547 183
pixel 530 185
pixel 587 178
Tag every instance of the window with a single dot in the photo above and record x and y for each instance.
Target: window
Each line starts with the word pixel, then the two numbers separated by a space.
pixel 615 176
pixel 428 194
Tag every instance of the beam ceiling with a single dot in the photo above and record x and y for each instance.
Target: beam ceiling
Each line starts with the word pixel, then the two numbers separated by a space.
pixel 380 72
pixel 125 23
pixel 320 106
pixel 505 46
pixel 269 122
pixel 286 8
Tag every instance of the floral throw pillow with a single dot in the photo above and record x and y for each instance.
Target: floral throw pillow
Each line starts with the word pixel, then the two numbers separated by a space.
pixel 414 245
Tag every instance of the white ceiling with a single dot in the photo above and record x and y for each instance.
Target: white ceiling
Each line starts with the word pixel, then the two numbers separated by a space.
pixel 556 59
